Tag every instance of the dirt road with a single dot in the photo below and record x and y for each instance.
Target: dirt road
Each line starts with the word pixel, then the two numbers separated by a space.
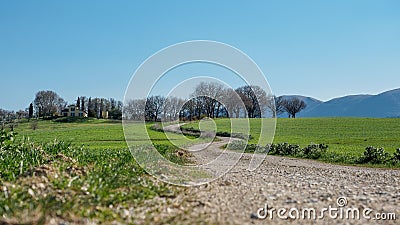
pixel 297 185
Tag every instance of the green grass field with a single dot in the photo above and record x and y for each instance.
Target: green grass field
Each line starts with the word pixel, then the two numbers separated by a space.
pixel 347 136
pixel 76 170
pixel 93 133
pixel 97 177
pixel 343 135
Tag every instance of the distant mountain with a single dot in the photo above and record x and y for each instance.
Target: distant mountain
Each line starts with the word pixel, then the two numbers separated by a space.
pixel 386 104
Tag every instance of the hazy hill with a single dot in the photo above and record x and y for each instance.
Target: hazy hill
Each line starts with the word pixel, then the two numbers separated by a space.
pixel 386 104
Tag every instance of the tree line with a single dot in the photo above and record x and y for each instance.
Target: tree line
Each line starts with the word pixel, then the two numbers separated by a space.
pixel 207 100
pixel 212 100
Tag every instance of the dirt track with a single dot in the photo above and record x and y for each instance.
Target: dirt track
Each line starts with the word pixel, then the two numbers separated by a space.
pixel 280 183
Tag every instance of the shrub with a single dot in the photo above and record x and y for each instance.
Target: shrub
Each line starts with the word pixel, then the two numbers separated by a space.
pixel 236 145
pixel 284 149
pixel 190 129
pixel 223 134
pixel 314 151
pixel 396 156
pixel 374 155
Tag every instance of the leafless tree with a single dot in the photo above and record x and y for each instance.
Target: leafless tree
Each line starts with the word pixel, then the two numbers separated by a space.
pixel 154 107
pixel 189 109
pixel 293 106
pixel 171 108
pixel 208 93
pixel 276 105
pixel 47 103
pixel 255 100
pixel 21 114
pixel 134 109
pixel 232 103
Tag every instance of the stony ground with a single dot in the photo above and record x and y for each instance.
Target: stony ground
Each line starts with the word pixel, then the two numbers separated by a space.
pixel 279 183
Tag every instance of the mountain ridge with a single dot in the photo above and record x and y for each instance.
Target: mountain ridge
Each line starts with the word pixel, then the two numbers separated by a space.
pixel 382 105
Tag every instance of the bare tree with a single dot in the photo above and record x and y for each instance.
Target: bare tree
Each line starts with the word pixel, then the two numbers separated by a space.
pixel 171 107
pixel 255 100
pixel 135 109
pixel 208 93
pixel 232 102
pixel 293 106
pixel 61 104
pixel 154 105
pixel 21 114
pixel 276 105
pixel 8 118
pixel 189 109
pixel 166 109
pixel 47 103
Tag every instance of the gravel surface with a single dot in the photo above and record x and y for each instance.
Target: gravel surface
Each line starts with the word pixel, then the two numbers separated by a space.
pixel 280 182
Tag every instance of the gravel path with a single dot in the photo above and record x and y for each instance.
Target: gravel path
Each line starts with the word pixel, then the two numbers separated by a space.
pixel 280 182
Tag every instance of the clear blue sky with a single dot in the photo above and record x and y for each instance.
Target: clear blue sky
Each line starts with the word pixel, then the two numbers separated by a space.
pixel 322 49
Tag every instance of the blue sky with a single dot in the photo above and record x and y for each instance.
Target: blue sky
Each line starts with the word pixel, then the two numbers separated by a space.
pixel 322 49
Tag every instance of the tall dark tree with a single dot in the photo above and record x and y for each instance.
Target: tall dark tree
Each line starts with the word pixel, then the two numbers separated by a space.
pixel 83 99
pixel 101 108
pixel 90 108
pixel 78 103
pixel 96 108
pixel 293 106
pixel 30 110
pixel 113 103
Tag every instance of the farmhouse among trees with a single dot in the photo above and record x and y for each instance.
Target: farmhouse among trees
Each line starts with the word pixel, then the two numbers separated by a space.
pixel 50 104
pixel 73 111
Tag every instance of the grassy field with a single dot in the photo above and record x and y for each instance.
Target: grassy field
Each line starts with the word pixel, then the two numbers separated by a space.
pixel 345 136
pixel 84 169
pixel 348 136
pixel 75 170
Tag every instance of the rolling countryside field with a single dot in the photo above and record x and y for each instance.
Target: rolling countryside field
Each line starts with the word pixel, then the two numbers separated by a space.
pixel 344 136
pixel 83 169
pixel 76 171
pixel 347 137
